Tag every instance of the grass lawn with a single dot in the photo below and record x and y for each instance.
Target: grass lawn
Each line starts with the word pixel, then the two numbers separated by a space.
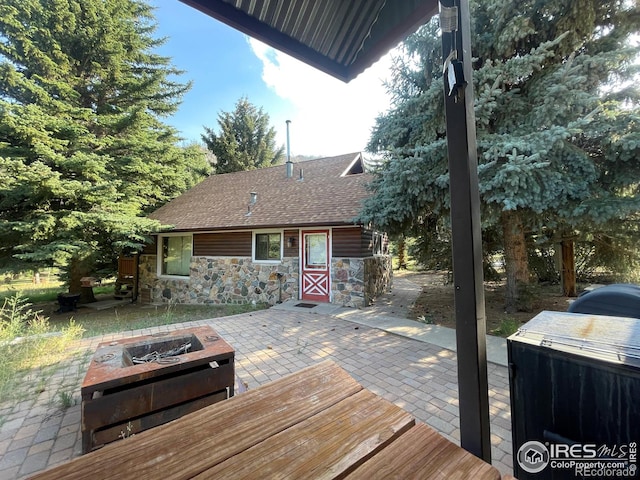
pixel 124 317
pixel 36 342
pixel 129 316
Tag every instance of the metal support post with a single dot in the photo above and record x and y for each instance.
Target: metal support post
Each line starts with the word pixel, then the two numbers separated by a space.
pixel 466 231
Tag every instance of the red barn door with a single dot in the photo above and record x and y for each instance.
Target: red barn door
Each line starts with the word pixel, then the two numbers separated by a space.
pixel 315 265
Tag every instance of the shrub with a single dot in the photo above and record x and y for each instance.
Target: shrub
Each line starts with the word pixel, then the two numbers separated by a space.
pixel 29 348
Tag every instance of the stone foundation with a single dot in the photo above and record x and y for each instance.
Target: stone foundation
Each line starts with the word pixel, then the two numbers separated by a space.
pixel 227 280
pixel 221 280
pixel 378 271
pixel 348 285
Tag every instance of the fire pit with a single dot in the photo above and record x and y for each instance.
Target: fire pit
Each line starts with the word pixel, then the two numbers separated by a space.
pixel 138 383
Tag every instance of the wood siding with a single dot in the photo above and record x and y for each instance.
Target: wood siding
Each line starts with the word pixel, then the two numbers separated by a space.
pixel 151 248
pixel 354 242
pixel 295 248
pixel 367 242
pixel 224 244
pixel 351 242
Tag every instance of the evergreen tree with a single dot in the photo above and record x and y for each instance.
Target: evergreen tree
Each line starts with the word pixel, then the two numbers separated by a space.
pixel 557 124
pixel 245 141
pixel 83 149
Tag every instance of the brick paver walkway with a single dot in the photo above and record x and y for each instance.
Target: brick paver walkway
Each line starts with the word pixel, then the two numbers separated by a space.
pixel 417 376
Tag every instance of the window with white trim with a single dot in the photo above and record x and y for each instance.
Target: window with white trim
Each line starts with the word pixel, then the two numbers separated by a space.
pixel 267 246
pixel 176 251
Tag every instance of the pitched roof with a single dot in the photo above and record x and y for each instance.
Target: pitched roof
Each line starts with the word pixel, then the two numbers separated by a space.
pixel 325 196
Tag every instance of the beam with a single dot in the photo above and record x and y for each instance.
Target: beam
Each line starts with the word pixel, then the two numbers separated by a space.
pixel 467 247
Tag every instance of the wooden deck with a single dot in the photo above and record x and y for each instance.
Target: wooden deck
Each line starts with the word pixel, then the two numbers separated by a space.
pixel 317 423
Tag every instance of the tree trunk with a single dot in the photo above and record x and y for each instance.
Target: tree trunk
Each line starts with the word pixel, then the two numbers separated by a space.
pixel 568 267
pixel 516 264
pixel 402 261
pixel 80 267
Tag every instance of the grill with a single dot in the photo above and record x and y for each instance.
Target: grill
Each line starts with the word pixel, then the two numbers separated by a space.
pixel 622 300
pixel 574 380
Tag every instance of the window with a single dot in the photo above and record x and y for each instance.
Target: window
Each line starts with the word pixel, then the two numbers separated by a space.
pixel 315 253
pixel 268 247
pixel 176 255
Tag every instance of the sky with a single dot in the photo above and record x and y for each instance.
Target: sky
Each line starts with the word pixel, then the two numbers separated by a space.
pixel 328 117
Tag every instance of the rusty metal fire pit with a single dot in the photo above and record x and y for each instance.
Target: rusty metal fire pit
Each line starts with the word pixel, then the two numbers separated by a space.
pixel 138 383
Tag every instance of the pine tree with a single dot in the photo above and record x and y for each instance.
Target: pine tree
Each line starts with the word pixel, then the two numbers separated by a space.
pixel 245 140
pixel 84 153
pixel 557 125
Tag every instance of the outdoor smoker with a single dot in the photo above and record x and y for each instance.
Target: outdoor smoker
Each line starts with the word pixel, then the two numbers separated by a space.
pixel 575 390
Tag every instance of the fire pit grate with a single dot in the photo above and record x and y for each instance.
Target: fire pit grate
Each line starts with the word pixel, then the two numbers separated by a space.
pixel 160 350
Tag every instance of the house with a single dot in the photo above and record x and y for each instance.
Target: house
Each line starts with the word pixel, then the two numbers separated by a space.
pixel 268 235
pixel 533 456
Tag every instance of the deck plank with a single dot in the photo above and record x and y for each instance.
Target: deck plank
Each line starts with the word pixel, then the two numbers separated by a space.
pixel 194 443
pixel 325 446
pixel 424 454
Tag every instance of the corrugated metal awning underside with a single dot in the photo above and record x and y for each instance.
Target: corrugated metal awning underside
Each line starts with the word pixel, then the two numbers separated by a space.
pixel 339 37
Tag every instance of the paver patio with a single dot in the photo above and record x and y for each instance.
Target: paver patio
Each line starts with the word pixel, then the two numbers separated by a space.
pixel 415 375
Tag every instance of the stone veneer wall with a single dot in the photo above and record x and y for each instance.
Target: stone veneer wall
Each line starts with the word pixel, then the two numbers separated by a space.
pixel 227 280
pixel 379 273
pixel 220 280
pixel 348 284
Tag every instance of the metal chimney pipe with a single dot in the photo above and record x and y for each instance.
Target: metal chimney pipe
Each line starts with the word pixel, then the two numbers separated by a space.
pixel 289 163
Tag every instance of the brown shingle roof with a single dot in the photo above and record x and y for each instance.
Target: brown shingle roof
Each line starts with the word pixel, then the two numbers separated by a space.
pixel 324 197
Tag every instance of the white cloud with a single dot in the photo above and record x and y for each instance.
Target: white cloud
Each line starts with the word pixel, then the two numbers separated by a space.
pixel 329 117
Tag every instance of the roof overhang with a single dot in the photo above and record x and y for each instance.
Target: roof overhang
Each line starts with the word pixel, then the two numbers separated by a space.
pixel 341 38
pixel 250 228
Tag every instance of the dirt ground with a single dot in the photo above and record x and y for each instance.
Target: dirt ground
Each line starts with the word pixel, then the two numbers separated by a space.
pixel 435 304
